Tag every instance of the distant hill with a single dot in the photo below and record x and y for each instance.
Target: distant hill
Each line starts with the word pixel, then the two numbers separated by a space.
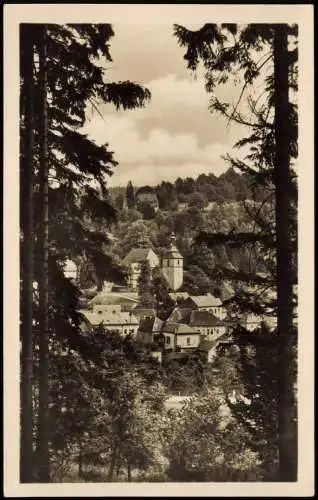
pixel 229 186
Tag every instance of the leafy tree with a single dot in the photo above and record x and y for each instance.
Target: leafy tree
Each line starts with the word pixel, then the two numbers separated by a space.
pixel 119 201
pixel 208 447
pixel 160 290
pixel 132 235
pixel 180 223
pixel 197 200
pixel 167 196
pixel 134 424
pixel 145 285
pixel 195 281
pixel 147 210
pixel 195 219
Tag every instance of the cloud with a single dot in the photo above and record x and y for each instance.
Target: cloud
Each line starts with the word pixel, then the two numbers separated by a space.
pixel 156 156
pixel 175 134
pixel 145 52
pixel 153 174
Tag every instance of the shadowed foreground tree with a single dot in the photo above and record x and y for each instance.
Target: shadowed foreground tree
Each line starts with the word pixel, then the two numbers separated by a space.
pixel 74 173
pixel 266 54
pixel 146 297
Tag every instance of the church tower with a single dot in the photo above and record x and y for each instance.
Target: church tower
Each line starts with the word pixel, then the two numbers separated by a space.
pixel 172 265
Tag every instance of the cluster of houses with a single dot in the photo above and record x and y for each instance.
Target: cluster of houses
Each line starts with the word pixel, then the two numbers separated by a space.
pixel 196 324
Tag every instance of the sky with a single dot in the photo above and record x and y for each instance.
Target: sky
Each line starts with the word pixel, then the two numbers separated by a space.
pixel 175 135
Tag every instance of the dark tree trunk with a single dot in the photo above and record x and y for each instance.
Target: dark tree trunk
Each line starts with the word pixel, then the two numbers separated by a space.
pixel 287 418
pixel 112 464
pixel 129 472
pixel 43 455
pixel 27 252
pixel 80 460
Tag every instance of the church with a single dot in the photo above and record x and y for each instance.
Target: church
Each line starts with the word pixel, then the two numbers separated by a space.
pixel 171 264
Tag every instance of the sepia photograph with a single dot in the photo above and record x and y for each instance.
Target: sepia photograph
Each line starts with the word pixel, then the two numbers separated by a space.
pixel 158 251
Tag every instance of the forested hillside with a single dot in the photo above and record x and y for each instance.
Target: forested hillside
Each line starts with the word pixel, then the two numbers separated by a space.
pixel 229 186
pixel 188 207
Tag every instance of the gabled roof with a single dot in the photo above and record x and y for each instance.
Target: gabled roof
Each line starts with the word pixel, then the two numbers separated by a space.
pixel 207 345
pixel 206 300
pixel 137 255
pixel 178 329
pixel 111 298
pixel 180 315
pixel 226 291
pixel 152 197
pixel 204 318
pixel 141 312
pixel 110 318
pixel 172 253
pixel 176 296
pixel 153 325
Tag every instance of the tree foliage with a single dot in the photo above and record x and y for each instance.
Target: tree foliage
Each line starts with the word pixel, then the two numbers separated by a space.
pixel 76 59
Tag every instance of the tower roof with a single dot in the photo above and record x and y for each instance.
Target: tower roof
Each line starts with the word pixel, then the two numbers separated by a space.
pixel 173 252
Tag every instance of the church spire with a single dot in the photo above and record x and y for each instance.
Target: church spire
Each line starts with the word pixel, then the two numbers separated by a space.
pixel 172 240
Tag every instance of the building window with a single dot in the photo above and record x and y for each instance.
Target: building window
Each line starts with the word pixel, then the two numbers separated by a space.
pixel 188 341
pixel 208 331
pixel 168 340
pixel 125 331
pixel 178 262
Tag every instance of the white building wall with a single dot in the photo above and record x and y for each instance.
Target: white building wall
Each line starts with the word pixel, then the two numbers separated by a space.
pixel 185 341
pixel 172 270
pixel 217 311
pixel 211 332
pixel 169 340
pixel 122 329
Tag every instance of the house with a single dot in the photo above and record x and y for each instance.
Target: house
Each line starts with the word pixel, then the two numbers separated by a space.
pixel 148 195
pixel 149 328
pixel 178 296
pixel 127 300
pixel 124 323
pixel 143 313
pixel 253 321
pixel 180 337
pixel 206 303
pixel 134 260
pixel 70 270
pixel 209 326
pixel 180 315
pixel 209 348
